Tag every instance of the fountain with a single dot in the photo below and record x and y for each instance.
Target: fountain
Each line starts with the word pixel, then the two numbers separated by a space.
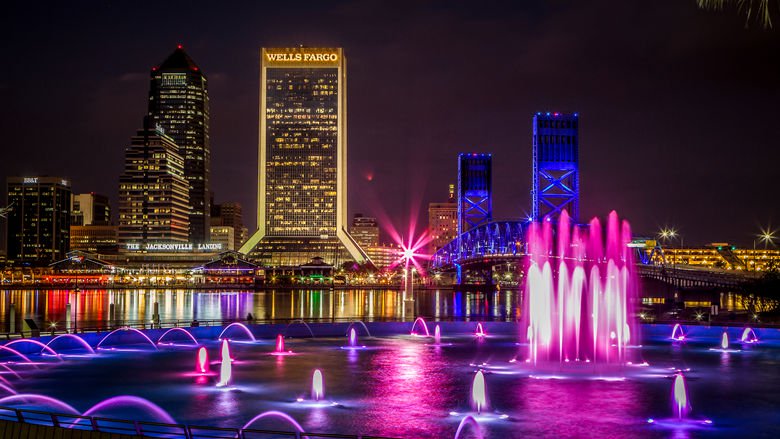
pixel 421 321
pixel 226 369
pixel 36 343
pixel 437 335
pixel 680 397
pixel 724 341
pixel 352 340
pixel 40 400
pixel 125 329
pixel 677 333
pixel 579 294
pixel 480 332
pixel 72 337
pixel 317 389
pixel 469 420
pixel 749 336
pixel 149 408
pixel 242 326
pixel 279 349
pixel 478 393
pixel 177 330
pixel 202 363
pixel 275 414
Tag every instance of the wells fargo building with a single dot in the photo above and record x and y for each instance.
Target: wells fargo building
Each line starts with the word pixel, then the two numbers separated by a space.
pixel 302 172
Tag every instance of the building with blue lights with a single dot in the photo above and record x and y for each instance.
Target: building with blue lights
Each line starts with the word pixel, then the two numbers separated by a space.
pixel 556 176
pixel 475 191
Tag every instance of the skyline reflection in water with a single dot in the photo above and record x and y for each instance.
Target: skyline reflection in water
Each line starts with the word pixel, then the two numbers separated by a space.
pixel 93 307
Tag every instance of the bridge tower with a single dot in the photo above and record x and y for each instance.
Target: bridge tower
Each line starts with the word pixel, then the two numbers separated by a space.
pixel 556 175
pixel 475 192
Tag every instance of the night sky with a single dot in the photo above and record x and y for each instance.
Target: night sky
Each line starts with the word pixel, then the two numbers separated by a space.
pixel 678 106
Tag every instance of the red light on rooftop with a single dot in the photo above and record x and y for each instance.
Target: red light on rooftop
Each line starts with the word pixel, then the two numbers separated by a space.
pixel 154 69
pixel 179 46
pixel 195 68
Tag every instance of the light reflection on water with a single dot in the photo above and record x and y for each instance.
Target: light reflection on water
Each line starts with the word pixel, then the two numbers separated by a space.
pixel 93 307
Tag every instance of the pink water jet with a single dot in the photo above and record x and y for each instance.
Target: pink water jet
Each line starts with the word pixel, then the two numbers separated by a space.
pixel 242 326
pixel 202 361
pixel 580 291
pixel 423 324
pixel 680 403
pixel 469 420
pixel 480 331
pixel 677 333
pixel 437 335
pixel 36 343
pixel 74 337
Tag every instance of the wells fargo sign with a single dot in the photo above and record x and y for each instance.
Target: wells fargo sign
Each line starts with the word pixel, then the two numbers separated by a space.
pixel 301 56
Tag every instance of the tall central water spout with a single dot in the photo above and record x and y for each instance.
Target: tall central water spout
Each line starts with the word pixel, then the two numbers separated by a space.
pixel 679 397
pixel 202 365
pixel 437 335
pixel 724 341
pixel 478 394
pixel 280 344
pixel 317 389
pixel 352 338
pixel 226 369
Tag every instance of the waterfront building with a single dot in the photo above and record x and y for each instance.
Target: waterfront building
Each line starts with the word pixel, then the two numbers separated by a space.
pixel 556 176
pixel 229 215
pixel 365 230
pixel 94 239
pixel 721 255
pixel 179 103
pixel 90 209
pixel 443 222
pixel 153 193
pixel 384 255
pixel 38 224
pixel 302 187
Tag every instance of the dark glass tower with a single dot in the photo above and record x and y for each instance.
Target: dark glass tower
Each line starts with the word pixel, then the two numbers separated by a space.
pixel 179 103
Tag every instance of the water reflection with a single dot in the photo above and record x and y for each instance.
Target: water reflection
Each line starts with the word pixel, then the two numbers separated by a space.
pixel 101 307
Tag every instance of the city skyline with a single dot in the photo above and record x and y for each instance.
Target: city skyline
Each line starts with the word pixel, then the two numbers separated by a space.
pixel 648 145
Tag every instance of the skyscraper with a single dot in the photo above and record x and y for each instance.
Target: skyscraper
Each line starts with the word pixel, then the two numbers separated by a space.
pixel 302 188
pixel 39 220
pixel 556 165
pixel 365 231
pixel 90 209
pixel 153 193
pixel 179 103
pixel 229 215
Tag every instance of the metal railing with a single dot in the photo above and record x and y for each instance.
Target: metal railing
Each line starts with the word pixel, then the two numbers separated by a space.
pixel 155 429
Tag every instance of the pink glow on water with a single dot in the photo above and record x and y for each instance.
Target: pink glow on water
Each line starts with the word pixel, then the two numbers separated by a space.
pixel 317 387
pixel 677 332
pixel 352 338
pixel 724 341
pixel 480 331
pixel 194 341
pixel 34 398
pixel 437 334
pixel 129 401
pixel 202 363
pixel 580 291
pixel 749 336
pixel 127 329
pixel 478 392
pixel 280 344
pixel 423 324
pixel 469 420
pixel 680 397
pixel 239 325
pixel 35 342
pixel 74 337
pixel 225 369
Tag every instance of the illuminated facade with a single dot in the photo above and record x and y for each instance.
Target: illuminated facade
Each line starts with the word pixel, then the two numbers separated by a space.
pixel 721 255
pixel 153 193
pixel 556 164
pixel 179 103
pixel 229 215
pixel 365 231
pixel 475 191
pixel 93 239
pixel 90 209
pixel 38 230
pixel 223 235
pixel 302 172
pixel 443 222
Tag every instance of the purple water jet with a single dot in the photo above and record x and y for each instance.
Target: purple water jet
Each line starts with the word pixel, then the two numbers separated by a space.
pixel 239 325
pixel 749 336
pixel 677 333
pixel 146 337
pixel 35 342
pixel 202 361
pixel 129 401
pixel 579 294
pixel 480 332
pixel 469 420
pixel 191 337
pixel 275 414
pixel 423 324
pixel 73 337
pixel 47 401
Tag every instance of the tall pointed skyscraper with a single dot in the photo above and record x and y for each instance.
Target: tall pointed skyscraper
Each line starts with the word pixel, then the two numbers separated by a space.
pixel 179 103
pixel 302 175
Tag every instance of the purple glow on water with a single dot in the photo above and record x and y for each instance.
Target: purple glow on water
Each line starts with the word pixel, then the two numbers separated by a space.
pixel 423 324
pixel 580 293
pixel 146 337
pixel 39 401
pixel 317 387
pixel 202 362
pixel 191 337
pixel 680 397
pixel 478 392
pixel 128 401
pixel 73 337
pixel 239 325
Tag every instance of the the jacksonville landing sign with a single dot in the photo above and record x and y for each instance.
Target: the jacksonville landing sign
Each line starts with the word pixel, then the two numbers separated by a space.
pixel 173 247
